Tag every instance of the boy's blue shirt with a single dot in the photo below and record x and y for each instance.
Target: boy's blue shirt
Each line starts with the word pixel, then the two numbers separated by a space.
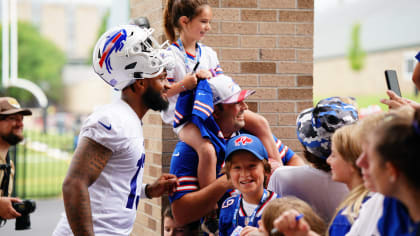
pixel 227 223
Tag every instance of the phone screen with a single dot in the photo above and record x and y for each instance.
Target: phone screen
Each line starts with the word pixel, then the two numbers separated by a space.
pixel 392 81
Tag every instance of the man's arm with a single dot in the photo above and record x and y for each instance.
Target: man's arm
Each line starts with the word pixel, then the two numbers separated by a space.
pixel 296 161
pixel 195 205
pixel 258 126
pixel 87 164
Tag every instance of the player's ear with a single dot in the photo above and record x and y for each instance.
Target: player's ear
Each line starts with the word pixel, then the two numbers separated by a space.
pixel 139 85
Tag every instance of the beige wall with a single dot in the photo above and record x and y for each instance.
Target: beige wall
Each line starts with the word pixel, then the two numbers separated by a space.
pixel 334 77
pixel 84 90
pixel 266 45
pixel 54 24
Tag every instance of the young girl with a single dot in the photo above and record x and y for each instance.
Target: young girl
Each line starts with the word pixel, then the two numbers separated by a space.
pixel 191 19
pixel 346 148
pixel 246 164
pixel 276 207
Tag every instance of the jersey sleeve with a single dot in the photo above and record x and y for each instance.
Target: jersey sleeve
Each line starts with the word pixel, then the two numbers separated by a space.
pixel 184 163
pixel 285 152
pixel 101 129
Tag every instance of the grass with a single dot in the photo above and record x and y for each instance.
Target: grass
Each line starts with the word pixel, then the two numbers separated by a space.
pixel 366 100
pixel 42 163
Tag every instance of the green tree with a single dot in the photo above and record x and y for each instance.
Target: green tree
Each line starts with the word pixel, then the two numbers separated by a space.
pixel 40 61
pixel 356 54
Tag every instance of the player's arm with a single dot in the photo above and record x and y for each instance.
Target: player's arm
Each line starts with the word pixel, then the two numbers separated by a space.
pixel 88 162
pixel 258 126
pixel 195 205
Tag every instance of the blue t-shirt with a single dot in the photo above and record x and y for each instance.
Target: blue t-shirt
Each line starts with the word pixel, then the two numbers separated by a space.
pixel 341 224
pixel 232 213
pixel 395 220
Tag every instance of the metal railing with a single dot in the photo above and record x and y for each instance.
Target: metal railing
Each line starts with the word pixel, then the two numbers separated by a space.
pixel 41 163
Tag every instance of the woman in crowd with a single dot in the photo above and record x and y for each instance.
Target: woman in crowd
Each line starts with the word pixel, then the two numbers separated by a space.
pixel 346 148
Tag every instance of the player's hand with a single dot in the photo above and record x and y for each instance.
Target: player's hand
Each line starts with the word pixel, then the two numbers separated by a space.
pixel 190 81
pixel 6 209
pixel 203 74
pixel 166 183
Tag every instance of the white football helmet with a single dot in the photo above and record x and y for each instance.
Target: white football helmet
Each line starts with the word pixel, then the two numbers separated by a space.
pixel 124 54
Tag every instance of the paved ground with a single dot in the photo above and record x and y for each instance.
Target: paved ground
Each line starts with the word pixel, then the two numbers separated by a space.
pixel 43 220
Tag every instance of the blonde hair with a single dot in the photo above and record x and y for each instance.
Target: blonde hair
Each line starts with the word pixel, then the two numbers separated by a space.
pixel 348 143
pixel 277 206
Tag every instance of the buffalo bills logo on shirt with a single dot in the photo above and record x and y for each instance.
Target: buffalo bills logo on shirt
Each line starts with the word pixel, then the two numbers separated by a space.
pixel 243 140
pixel 113 44
pixel 228 202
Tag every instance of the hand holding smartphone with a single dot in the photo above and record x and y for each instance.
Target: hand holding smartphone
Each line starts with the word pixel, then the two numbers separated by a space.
pixel 392 81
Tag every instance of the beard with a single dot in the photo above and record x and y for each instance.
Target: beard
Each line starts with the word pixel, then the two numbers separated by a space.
pixel 154 100
pixel 12 139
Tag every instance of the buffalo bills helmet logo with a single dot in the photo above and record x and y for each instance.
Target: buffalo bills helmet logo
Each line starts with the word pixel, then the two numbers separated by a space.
pixel 113 44
pixel 243 140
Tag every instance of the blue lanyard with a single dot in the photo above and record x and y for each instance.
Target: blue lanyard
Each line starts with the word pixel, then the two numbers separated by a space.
pixel 251 220
pixel 197 55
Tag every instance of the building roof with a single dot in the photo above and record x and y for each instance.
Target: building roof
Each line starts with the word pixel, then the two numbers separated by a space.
pixel 385 24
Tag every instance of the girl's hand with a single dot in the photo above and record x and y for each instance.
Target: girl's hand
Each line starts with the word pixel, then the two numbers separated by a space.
pixel 289 226
pixel 203 74
pixel 189 81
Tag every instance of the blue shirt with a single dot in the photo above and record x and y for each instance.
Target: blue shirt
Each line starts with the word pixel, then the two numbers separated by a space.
pixel 341 224
pixel 395 220
pixel 233 206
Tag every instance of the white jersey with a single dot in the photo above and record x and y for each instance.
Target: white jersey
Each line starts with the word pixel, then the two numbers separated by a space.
pixel 369 215
pixel 311 185
pixel 115 193
pixel 208 60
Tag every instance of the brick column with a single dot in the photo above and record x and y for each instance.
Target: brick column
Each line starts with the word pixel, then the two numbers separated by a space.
pixel 266 45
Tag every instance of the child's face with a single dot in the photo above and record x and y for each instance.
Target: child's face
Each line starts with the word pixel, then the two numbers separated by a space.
pixel 198 26
pixel 341 170
pixel 170 228
pixel 247 174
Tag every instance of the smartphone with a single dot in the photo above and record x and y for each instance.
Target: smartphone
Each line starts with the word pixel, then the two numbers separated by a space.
pixel 392 81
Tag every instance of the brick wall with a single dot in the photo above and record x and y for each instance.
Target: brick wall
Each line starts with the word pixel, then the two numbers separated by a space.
pixel 266 45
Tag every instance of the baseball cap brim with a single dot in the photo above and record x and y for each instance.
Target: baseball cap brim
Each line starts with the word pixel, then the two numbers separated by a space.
pixel 238 97
pixel 251 150
pixel 25 112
